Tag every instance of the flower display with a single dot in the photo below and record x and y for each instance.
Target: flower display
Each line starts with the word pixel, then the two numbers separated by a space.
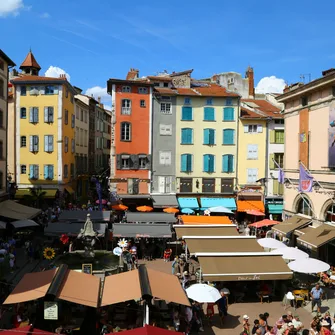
pixel 49 253
pixel 123 243
pixel 64 239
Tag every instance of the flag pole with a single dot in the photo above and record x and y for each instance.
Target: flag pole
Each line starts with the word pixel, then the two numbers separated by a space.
pixel 296 188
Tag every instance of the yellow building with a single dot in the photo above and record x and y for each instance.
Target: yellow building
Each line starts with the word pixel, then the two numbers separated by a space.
pixel 45 131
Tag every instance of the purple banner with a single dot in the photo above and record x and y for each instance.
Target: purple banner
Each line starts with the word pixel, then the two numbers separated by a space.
pixel 281 176
pixel 305 180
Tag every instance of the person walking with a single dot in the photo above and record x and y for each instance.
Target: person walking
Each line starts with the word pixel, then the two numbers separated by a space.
pixel 316 296
pixel 222 306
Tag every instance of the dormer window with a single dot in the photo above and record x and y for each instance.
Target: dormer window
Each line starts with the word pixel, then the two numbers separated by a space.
pixel 126 89
pixel 304 101
pixel 187 101
pixel 143 90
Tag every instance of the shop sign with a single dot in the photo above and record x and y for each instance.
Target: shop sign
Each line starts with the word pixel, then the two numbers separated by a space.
pixel 50 310
pixel 87 268
pixel 274 202
pixel 244 278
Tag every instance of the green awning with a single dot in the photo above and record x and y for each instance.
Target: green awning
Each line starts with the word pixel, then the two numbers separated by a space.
pixel 275 208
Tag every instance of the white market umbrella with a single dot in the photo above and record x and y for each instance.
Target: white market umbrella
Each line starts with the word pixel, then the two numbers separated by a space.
pixel 3 252
pixel 271 243
pixel 203 293
pixel 291 254
pixel 220 209
pixel 308 265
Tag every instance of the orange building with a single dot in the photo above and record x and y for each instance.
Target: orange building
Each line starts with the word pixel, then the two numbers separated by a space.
pixel 131 138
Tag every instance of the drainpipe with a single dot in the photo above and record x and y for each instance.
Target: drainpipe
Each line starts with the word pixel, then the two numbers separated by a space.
pixel 268 120
pixel 237 138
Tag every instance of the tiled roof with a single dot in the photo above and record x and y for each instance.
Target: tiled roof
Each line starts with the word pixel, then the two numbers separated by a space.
pixel 29 78
pixel 30 61
pixel 248 114
pixel 265 107
pixel 160 78
pixel 130 82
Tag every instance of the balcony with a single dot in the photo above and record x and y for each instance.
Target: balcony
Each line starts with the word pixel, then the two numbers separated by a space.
pixel 126 110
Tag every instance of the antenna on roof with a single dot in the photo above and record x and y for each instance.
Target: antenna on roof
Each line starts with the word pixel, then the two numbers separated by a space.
pixel 303 77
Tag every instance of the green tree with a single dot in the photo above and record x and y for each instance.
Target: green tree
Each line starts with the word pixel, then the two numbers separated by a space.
pixel 36 198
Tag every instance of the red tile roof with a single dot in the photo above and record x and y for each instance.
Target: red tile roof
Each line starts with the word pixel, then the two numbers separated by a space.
pixel 248 114
pixel 264 107
pixel 29 78
pixel 30 61
pixel 160 78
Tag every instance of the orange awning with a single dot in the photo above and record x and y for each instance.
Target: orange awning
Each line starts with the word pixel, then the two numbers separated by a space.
pixel 204 219
pixel 249 205
pixel 263 223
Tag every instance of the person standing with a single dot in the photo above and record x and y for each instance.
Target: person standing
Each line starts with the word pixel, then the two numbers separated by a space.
pixel 222 306
pixel 316 295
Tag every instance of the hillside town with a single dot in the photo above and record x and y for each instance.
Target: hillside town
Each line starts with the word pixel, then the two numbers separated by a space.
pixel 184 205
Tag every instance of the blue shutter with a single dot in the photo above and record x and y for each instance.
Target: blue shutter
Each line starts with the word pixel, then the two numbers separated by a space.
pixel 31 115
pixel 184 136
pixel 206 136
pixel 51 143
pixel 46 114
pixel 228 114
pixel 35 114
pixel 31 143
pixel 189 163
pixel 230 163
pixel 186 113
pixel 46 172
pixel 211 136
pixel 210 163
pixel 228 136
pixel 209 114
pixel 206 163
pixel 189 136
pixel 51 171
pixel 31 171
pixel 183 163
pixel 225 163
pixel 46 145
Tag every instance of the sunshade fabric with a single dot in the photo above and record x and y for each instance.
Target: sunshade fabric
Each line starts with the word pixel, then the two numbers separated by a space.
pixel 225 230
pixel 270 243
pixel 80 288
pixel 244 268
pixel 275 208
pixel 290 253
pixel 188 203
pixel 49 193
pixel 28 330
pixel 150 217
pixel 308 265
pixel 31 287
pixel 264 223
pixel 216 202
pixel 81 216
pixel 203 293
pixel 287 226
pixel 222 245
pixel 317 237
pixel 204 219
pixel 164 200
pixel 13 210
pixel 59 228
pixel 24 224
pixel 134 230
pixel 248 205
pixel 146 330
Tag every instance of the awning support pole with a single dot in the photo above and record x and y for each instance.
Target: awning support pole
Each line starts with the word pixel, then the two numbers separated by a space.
pixel 145 313
pixel 186 252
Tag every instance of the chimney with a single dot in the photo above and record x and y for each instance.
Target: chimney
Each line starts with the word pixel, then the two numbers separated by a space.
pixel 215 78
pixel 133 74
pixel 99 100
pixel 250 75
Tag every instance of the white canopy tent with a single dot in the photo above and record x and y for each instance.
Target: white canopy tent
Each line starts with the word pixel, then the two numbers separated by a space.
pixel 308 265
pixel 220 209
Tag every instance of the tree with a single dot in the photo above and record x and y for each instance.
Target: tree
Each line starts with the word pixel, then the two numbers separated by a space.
pixel 36 197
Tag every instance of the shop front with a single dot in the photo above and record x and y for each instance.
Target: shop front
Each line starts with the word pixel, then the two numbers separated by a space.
pixel 274 208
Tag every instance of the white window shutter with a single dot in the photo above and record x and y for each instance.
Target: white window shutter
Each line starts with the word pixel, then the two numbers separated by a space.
pixel 246 129
pixel 161 157
pixel 168 158
pixel 250 151
pixel 161 184
pixel 259 128
pixel 255 151
pixel 56 90
pixel 42 90
pixel 31 143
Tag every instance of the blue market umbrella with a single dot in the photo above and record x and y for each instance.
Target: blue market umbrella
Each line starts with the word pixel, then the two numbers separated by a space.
pixel 187 211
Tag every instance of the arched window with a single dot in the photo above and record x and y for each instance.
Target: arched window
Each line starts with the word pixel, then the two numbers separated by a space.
pixel 330 213
pixel 2 88
pixel 125 131
pixel 304 206
pixel 2 125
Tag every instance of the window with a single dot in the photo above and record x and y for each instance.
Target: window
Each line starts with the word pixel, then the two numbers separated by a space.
pixel 187 136
pixel 125 162
pixel 209 163
pixel 229 101
pixel 278 189
pixel 330 213
pixel 165 98
pixel 66 171
pixel 1 150
pixel 186 163
pixel 48 143
pixel 253 128
pixel 73 145
pixel 33 171
pixel 23 169
pixel 126 89
pixel 227 185
pixel 156 84
pixel 142 162
pixel 126 107
pixel 164 184
pixel 33 90
pixel 209 137
pixel 304 101
pixel 72 169
pixel 186 114
pixel 166 84
pixel 252 151
pixel 73 120
pixel 33 143
pixel 66 144
pixel 23 90
pixel 66 116
pixel 279 158
pixel 209 101
pixel 304 206
pixel 186 185
pixel 187 101
pixel 279 121
pixel 252 176
pixel 125 131
pixel 228 114
pixel 23 141
pixel 1 180
pixel 2 65
pixel 165 158
pixel 228 163
pixel 71 98
pixel 2 88
pixel 209 114
pixel 1 119
pixel 81 115
pixel 33 115
pixel 143 90
pixel 165 129
pixel 142 103
pixel 228 136
pixel 166 108
pixel 48 114
pixel 279 136
pixel 48 172
pixel 67 93
pixel 208 185
pixel 23 113
pixel 49 90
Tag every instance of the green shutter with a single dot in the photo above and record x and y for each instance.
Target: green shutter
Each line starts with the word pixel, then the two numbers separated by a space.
pixel 272 136
pixel 280 189
pixel 275 187
pixel 271 162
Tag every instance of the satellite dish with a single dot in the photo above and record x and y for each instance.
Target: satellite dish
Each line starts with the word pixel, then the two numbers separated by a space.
pixel 117 251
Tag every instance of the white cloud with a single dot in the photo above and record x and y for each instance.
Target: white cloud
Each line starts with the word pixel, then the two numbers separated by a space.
pixel 109 108
pixel 45 15
pixel 10 7
pixel 98 91
pixel 270 84
pixel 54 71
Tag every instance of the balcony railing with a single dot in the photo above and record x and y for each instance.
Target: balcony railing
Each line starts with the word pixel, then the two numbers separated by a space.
pixel 126 110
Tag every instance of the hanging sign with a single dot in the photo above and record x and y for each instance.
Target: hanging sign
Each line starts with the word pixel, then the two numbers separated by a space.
pixel 50 310
pixel 87 268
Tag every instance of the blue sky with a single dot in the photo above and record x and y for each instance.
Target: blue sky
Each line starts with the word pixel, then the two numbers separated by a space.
pixel 95 40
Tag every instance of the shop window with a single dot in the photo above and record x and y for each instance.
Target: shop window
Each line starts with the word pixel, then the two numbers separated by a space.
pixel 304 206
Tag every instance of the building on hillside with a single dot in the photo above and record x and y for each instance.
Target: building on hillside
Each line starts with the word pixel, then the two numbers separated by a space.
pixel 309 138
pixel 45 132
pixel 261 145
pixel 5 177
pixel 132 107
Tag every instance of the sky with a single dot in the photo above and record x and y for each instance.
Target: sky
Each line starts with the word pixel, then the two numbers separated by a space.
pixel 92 41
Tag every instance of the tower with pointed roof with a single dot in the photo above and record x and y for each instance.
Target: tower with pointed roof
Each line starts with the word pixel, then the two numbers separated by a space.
pixel 29 65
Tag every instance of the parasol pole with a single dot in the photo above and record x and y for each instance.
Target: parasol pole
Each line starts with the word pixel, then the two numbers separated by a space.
pixel 146 313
